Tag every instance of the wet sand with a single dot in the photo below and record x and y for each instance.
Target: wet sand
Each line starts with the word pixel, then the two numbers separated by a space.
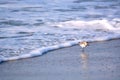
pixel 99 61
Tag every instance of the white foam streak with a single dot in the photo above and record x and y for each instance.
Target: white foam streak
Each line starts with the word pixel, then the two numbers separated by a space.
pixel 40 51
pixel 94 24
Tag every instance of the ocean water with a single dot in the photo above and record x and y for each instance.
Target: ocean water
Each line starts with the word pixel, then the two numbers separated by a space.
pixel 29 28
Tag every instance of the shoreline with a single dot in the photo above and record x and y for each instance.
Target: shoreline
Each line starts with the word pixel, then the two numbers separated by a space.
pixel 41 51
pixel 101 60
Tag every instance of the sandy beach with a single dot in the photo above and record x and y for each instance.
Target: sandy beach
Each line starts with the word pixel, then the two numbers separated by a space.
pixel 99 61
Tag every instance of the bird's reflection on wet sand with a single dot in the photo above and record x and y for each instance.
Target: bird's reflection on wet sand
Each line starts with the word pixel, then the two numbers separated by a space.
pixel 85 65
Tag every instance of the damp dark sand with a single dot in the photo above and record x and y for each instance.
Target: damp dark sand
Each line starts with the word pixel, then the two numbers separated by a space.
pixel 99 61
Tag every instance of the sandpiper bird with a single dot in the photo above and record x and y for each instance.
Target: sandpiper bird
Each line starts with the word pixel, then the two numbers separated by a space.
pixel 83 44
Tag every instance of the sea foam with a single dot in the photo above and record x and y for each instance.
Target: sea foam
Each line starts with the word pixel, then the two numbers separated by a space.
pixel 94 30
pixel 93 24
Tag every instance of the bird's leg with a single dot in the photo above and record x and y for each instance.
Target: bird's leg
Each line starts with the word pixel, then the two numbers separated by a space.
pixel 83 50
